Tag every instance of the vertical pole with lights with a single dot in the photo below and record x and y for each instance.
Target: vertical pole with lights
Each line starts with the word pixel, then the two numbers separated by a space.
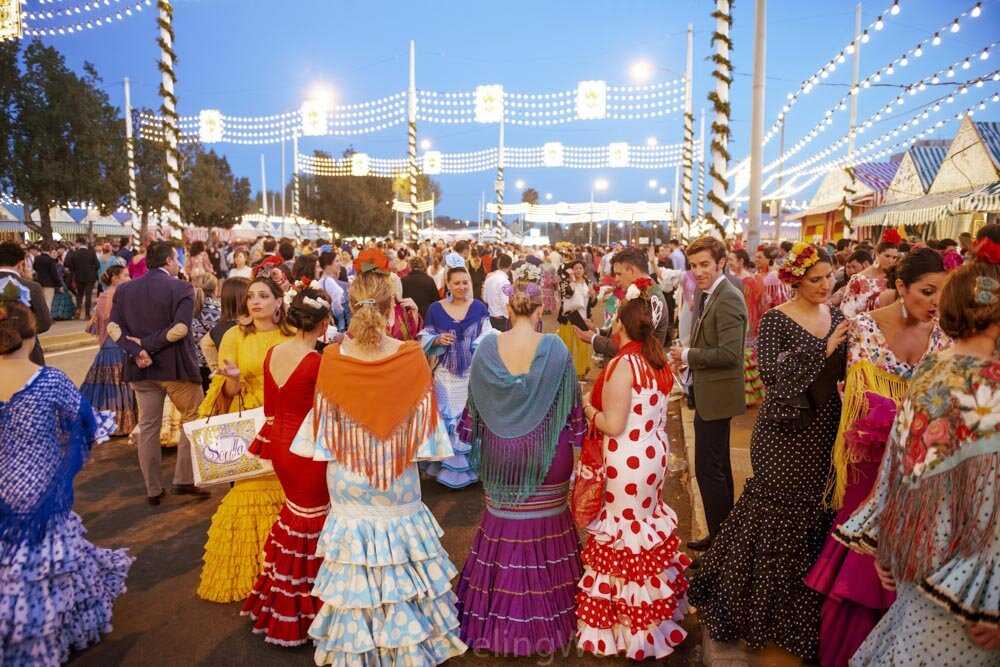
pixel 500 165
pixel 133 193
pixel 688 148
pixel 723 75
pixel 168 108
pixel 412 143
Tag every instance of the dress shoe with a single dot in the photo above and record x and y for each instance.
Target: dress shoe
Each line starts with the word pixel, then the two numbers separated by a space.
pixel 190 490
pixel 155 500
pixel 700 545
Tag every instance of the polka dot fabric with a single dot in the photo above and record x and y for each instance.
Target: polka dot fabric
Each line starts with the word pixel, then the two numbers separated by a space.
pixel 632 595
pixel 750 584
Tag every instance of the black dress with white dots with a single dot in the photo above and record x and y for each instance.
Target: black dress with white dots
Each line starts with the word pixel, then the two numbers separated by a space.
pixel 750 584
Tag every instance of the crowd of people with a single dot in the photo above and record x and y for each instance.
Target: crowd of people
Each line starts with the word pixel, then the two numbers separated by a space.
pixel 868 533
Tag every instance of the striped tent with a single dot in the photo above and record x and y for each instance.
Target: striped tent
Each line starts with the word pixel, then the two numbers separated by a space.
pixel 983 199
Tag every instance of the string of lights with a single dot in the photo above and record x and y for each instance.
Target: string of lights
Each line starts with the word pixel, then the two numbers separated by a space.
pixel 877 25
pixel 936 78
pixel 35 23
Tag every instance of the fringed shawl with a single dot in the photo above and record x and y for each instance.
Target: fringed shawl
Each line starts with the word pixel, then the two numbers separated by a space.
pixel 374 415
pixel 457 357
pixel 944 479
pixel 515 421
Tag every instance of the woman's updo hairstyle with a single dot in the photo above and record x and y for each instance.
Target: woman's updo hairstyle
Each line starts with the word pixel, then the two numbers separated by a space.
pixel 524 295
pixel 970 299
pixel 309 308
pixel 371 298
pixel 915 265
pixel 111 273
pixel 17 324
pixel 636 316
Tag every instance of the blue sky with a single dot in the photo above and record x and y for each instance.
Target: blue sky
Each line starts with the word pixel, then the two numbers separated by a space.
pixel 263 56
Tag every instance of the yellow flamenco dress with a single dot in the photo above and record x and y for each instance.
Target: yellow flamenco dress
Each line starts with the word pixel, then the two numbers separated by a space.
pixel 234 551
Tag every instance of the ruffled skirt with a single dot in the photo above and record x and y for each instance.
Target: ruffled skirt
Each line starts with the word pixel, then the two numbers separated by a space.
pixel 517 589
pixel 281 605
pixel 455 471
pixel 106 389
pixel 63 306
pixel 579 351
pixel 57 596
pixel 632 596
pixel 753 386
pixel 235 548
pixel 385 584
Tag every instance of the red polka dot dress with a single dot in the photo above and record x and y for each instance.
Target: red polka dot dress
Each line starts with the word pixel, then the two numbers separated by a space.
pixel 632 595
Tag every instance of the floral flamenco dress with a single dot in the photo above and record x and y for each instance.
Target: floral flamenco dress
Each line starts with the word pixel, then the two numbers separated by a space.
pixel 451 366
pixel 234 551
pixel 933 519
pixel 105 387
pixel 632 596
pixel 56 588
pixel 755 294
pixel 876 382
pixel 385 581
pixel 517 588
pixel 861 295
pixel 281 604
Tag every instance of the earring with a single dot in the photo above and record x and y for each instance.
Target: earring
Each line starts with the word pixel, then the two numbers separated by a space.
pixel 902 307
pixel 277 317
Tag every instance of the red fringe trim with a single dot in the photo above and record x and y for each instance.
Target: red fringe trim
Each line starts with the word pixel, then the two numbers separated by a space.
pixel 603 559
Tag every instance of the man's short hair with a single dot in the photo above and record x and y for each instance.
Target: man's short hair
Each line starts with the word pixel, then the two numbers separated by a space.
pixel 787 246
pixel 714 246
pixel 461 246
pixel 504 261
pixel 11 253
pixel 633 257
pixel 861 257
pixel 158 254
pixel 675 242
pixel 269 245
pixel 286 250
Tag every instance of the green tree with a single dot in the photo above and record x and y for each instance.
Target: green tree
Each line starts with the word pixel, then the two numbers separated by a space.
pixel 9 78
pixel 530 196
pixel 211 196
pixel 66 139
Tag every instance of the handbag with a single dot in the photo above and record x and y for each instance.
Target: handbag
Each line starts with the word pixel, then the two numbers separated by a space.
pixel 587 496
pixel 220 447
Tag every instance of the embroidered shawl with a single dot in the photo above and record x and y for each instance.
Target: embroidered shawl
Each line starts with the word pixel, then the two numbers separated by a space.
pixel 457 357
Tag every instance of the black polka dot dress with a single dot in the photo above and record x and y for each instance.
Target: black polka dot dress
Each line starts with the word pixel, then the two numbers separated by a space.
pixel 750 584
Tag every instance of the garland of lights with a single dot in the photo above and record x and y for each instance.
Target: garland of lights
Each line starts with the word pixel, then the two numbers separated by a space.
pixel 912 89
pixel 168 109
pixel 35 22
pixel 830 66
pixel 723 74
pixel 878 116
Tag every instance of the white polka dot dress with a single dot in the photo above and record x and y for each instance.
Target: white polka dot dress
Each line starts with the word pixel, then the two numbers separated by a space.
pixel 750 584
pixel 632 595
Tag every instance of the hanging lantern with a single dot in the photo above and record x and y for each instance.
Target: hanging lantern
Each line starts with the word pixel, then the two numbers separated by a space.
pixel 591 100
pixel 210 126
pixel 489 103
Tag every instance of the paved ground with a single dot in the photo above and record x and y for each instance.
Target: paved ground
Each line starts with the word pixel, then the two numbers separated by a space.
pixel 160 621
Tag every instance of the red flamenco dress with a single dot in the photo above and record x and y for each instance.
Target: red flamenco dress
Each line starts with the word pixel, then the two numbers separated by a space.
pixel 281 604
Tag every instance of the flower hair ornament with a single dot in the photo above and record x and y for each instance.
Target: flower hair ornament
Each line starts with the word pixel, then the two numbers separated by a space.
pixel 371 260
pixel 531 289
pixel 527 273
pixel 798 261
pixel 987 291
pixel 641 288
pixel 11 291
pixel 312 302
pixel 987 250
pixel 891 236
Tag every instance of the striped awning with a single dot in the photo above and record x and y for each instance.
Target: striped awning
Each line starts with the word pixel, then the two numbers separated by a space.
pixel 108 229
pixel 12 226
pixel 984 199
pixel 69 228
pixel 919 211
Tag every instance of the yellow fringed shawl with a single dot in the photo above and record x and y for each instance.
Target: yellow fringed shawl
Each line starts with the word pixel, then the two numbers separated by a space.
pixel 862 376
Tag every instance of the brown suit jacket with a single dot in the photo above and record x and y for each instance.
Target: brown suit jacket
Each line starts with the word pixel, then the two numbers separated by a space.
pixel 715 356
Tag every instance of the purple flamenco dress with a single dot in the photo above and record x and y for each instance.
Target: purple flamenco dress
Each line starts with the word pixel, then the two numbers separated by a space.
pixel 855 599
pixel 516 591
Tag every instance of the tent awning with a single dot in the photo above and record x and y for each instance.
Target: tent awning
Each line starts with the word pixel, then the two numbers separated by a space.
pixel 986 198
pixel 12 226
pixel 817 210
pixel 919 211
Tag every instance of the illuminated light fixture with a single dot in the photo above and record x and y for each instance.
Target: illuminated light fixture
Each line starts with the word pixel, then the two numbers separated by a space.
pixel 520 184
pixel 977 10
pixel 651 142
pixel 919 51
pixel 425 144
pixel 894 10
pixel 935 79
pixel 652 183
pixel 313 114
pixel 966 64
pixel 789 96
pixel 979 84
pixel 662 191
pixel 552 154
pixel 951 98
pixel 985 54
pixel 866 84
pixel 890 70
pixel 548 196
pixel 879 24
pixel 432 163
pixel 899 101
pixel 850 49
pixel 865 37
pixel 840 58
pixel 489 103
pixel 618 154
pixel 591 100
pixel 877 77
pixel 904 61
pixel 640 71
pixel 601 184
pixel 936 40
pixel 360 164
pixel 954 26
pixel 209 126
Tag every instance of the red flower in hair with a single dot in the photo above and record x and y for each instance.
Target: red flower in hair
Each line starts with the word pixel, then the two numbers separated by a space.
pixel 892 237
pixel 987 250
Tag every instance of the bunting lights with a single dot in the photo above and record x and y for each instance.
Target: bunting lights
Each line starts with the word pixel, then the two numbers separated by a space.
pixel 72 19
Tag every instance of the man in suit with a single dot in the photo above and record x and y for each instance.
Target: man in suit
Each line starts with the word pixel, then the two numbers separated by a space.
pixel 13 264
pixel 151 321
pixel 419 286
pixel 46 274
pixel 83 263
pixel 715 363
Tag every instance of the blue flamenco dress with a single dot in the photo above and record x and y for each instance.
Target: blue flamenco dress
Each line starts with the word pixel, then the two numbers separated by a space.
pixel 452 366
pixel 56 588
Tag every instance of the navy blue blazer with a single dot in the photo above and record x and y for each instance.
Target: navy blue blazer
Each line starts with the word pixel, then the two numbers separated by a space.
pixel 146 308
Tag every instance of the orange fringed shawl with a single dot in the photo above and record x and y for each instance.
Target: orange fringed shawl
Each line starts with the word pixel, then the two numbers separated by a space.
pixel 375 414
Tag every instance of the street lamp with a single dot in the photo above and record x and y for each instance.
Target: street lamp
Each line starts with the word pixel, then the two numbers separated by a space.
pixel 519 184
pixel 652 184
pixel 651 142
pixel 548 196
pixel 425 144
pixel 663 191
pixel 640 71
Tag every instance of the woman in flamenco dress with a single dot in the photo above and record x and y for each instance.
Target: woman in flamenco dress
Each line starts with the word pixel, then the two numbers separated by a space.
pixel 281 604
